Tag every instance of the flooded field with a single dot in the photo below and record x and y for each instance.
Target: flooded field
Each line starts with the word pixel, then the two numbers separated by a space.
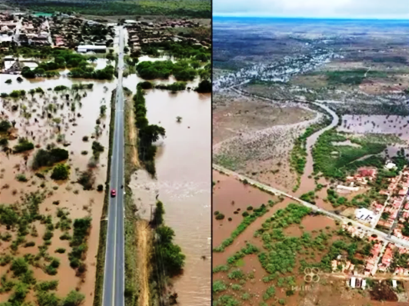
pixel 362 124
pixel 183 183
pixel 74 123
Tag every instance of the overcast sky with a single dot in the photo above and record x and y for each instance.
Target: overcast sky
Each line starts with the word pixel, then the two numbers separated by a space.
pixel 391 9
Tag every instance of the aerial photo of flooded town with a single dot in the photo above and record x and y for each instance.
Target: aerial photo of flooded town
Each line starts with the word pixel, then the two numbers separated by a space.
pixel 310 156
pixel 105 165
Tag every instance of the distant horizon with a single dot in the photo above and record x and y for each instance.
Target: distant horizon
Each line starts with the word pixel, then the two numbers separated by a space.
pixel 310 17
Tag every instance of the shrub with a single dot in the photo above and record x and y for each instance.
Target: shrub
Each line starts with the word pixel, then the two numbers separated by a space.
pixel 60 250
pixel 87 180
pixel 60 172
pixel 74 298
pixel 205 86
pixel 85 138
pixel 48 158
pixel 4 142
pixel 100 187
pixel 47 286
pixel 21 178
pixel 48 235
pixel 19 266
pixel 23 146
pixel 4 126
pixel 145 85
pixel 219 216
pixel 29 244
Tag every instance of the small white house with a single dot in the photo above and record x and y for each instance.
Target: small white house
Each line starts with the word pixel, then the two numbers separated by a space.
pixel 352 283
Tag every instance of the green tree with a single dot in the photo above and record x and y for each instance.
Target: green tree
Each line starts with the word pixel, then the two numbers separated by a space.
pixel 60 172
pixel 19 266
pixel 74 298
pixel 4 126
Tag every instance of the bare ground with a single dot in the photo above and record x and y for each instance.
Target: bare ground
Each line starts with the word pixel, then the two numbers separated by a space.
pixel 255 138
pixel 144 245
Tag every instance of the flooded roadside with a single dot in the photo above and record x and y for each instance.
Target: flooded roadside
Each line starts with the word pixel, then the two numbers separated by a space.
pixel 183 167
pixel 66 195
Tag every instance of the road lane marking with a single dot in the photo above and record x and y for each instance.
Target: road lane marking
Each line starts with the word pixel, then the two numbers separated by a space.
pixel 117 125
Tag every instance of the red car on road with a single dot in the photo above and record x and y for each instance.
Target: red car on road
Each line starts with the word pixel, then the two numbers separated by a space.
pixel 113 193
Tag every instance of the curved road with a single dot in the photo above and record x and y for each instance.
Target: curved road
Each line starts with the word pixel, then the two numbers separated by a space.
pixel 269 189
pixel 114 276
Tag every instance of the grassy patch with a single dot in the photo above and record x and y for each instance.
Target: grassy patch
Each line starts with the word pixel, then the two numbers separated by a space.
pixel 352 77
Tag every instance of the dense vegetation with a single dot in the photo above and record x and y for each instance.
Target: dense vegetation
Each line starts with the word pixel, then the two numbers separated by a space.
pixel 181 70
pixel 61 172
pixel 169 256
pixel 180 50
pixel 352 77
pixel 336 161
pixel 205 86
pixel 299 152
pixel 4 126
pixel 188 8
pixel 176 86
pixel 62 59
pixel 147 133
pixel 47 158
pixel 23 145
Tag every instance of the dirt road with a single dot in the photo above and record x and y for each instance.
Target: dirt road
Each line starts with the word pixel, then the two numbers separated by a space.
pixel 144 244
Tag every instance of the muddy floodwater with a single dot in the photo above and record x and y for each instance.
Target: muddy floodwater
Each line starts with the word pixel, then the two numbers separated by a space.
pixel 397 125
pixel 308 184
pixel 183 166
pixel 70 195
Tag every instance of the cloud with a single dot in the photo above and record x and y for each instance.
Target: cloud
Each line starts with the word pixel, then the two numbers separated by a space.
pixel 394 9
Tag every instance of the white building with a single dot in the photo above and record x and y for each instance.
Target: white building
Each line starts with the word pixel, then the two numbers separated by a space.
pixel 353 279
pixel 87 48
pixel 364 214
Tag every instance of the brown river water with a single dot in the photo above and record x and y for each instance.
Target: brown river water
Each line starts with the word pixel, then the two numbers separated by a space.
pixel 183 169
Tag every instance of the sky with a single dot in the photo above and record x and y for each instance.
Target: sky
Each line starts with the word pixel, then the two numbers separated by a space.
pixel 375 9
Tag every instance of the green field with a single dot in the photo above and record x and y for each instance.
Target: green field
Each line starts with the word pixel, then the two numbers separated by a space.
pixel 188 8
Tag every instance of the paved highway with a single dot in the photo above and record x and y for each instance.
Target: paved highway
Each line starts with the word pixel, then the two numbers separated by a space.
pixel 382 235
pixel 114 275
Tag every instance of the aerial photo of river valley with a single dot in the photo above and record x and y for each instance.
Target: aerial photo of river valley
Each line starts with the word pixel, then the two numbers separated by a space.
pixel 310 161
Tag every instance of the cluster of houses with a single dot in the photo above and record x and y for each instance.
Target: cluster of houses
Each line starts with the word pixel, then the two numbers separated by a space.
pixel 142 33
pixel 357 282
pixel 397 207
pixel 8 24
pixel 362 177
pixel 71 32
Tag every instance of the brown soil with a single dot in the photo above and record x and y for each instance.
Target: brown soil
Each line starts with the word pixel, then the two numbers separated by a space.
pixel 234 114
pixel 257 137
pixel 132 134
pixel 144 244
